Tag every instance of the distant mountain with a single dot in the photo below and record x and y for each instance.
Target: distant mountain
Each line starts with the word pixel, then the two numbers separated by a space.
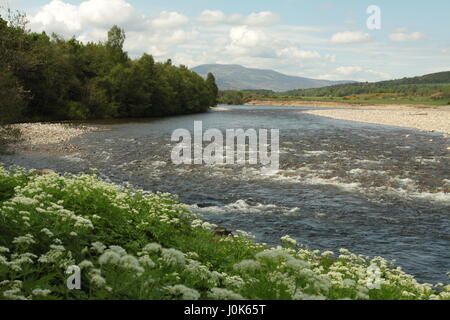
pixel 236 77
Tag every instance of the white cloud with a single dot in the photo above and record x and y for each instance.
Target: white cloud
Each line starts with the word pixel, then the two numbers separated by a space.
pixel 106 13
pixel 169 20
pixel 212 16
pixel 350 37
pixel 302 55
pixel 402 35
pixel 357 73
pixel 249 42
pixel 57 16
pixel 217 16
pixel 262 18
pixel 256 18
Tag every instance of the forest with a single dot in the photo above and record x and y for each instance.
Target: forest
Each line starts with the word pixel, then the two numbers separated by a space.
pixel 46 78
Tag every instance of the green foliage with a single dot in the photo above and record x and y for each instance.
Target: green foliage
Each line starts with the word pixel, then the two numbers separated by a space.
pixel 131 245
pixel 232 97
pixel 433 89
pixel 424 86
pixel 49 78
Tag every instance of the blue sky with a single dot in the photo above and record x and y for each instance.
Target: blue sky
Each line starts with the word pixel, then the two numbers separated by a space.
pixel 321 39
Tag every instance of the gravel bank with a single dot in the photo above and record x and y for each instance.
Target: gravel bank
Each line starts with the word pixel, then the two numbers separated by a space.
pixel 431 119
pixel 44 137
pixel 425 118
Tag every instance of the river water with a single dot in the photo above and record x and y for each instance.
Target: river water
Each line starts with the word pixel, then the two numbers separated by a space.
pixel 375 190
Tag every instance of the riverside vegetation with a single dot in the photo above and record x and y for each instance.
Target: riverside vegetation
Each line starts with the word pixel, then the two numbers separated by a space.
pixel 46 78
pixel 133 245
pixel 431 89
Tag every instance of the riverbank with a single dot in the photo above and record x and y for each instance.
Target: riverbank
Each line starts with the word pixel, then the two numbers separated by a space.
pixel 131 245
pixel 424 118
pixel 49 137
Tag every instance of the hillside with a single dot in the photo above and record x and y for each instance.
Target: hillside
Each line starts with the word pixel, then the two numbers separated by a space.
pixel 236 77
pixel 423 86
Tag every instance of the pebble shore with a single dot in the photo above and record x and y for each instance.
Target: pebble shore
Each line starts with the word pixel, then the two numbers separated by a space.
pixel 425 118
pixel 429 120
pixel 49 136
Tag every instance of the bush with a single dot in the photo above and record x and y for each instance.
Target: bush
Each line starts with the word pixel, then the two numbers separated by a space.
pixel 134 246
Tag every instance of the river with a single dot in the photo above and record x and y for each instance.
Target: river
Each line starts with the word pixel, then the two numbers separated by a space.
pixel 375 190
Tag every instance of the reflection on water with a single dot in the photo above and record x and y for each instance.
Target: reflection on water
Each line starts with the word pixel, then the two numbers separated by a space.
pixel 373 189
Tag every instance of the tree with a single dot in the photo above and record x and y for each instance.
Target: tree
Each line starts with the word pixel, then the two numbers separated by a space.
pixel 116 38
pixel 114 44
pixel 214 90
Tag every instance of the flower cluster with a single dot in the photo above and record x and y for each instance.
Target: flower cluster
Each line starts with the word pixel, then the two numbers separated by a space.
pixel 134 245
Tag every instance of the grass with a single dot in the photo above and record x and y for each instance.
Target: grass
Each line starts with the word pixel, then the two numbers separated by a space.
pixel 131 245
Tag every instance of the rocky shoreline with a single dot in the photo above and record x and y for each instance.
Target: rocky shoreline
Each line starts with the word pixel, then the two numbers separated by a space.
pixel 424 118
pixel 49 137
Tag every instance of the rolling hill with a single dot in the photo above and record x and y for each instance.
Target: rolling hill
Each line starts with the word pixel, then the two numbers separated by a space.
pixel 236 77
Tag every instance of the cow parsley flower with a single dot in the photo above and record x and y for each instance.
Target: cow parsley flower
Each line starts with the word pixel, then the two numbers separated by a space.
pixel 288 240
pixel 98 280
pixel 131 263
pixel 86 264
pixel 147 261
pixel 26 239
pixel 224 294
pixel 98 246
pixel 47 232
pixel 13 294
pixel 40 292
pixel 109 257
pixel 4 250
pixel 118 249
pixel 183 292
pixel 247 266
pixel 296 264
pixel 172 257
pixel 152 248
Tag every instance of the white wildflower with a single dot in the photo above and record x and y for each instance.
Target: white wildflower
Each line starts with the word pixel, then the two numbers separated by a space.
pixel 247 266
pixel 109 257
pixel 152 248
pixel 288 240
pixel 274 255
pixel 4 250
pixel 118 249
pixel 132 263
pixel 98 246
pixel 224 294
pixel 47 232
pixel 26 239
pixel 183 292
pixel 296 264
pixel 98 280
pixel 13 294
pixel 147 261
pixel 172 257
pixel 86 264
pixel 40 292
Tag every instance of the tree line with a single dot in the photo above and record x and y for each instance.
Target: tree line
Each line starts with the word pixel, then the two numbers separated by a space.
pixel 49 78
pixel 425 86
pixel 433 87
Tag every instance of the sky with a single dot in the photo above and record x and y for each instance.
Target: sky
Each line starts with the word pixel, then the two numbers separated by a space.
pixel 323 39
